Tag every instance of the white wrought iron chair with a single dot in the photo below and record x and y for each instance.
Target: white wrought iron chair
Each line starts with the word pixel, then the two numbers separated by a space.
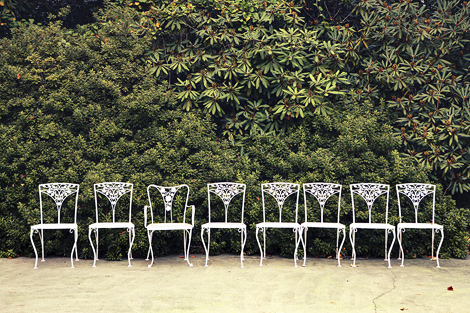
pixel 226 192
pixel 59 192
pixel 370 192
pixel 113 191
pixel 280 192
pixel 168 195
pixel 322 192
pixel 416 192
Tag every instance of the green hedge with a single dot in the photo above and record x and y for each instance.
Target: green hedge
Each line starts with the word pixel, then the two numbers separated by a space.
pixel 77 106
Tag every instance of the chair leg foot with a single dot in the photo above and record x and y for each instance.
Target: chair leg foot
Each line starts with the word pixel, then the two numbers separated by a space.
pixel 149 266
pixel 190 264
pixel 36 268
pixel 339 265
pixel 402 265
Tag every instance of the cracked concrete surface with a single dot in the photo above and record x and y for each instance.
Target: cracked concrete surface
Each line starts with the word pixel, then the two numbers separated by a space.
pixel 172 286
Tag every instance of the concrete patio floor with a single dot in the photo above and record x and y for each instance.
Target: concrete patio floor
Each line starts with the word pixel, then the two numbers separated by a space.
pixel 172 286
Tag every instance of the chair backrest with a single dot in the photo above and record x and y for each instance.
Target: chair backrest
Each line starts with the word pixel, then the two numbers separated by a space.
pixel 226 192
pixel 322 192
pixel 168 196
pixel 280 192
pixel 416 192
pixel 59 192
pixel 370 192
pixel 113 191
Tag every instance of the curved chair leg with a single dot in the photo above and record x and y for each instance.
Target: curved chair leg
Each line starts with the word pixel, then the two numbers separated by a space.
pixel 150 235
pixel 298 239
pixel 208 242
pixel 41 236
pixel 97 236
pixel 185 251
pixel 338 254
pixel 305 230
pixel 188 246
pixel 34 247
pixel 386 245
pixel 129 254
pixel 130 244
pixel 391 246
pixel 204 244
pixel 352 238
pixel 337 241
pixel 439 248
pixel 148 254
pixel 259 244
pixel 75 231
pixel 400 242
pixel 95 256
pixel 76 249
pixel 243 241
pixel 264 242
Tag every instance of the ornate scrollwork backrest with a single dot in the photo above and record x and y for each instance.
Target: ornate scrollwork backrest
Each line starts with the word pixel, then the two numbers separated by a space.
pixel 416 192
pixel 113 191
pixel 280 192
pixel 226 192
pixel 370 192
pixel 168 195
pixel 322 192
pixel 59 193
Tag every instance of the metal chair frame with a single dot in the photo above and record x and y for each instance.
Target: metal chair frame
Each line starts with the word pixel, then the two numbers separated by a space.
pixel 322 192
pixel 168 195
pixel 369 192
pixel 113 191
pixel 226 191
pixel 59 192
pixel 416 192
pixel 280 192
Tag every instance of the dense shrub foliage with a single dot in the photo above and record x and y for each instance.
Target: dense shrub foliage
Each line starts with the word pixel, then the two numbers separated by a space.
pixel 87 106
pixel 261 67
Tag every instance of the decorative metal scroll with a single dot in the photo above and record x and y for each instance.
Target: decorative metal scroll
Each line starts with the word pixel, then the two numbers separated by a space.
pixel 416 193
pixel 168 194
pixel 59 192
pixel 370 192
pixel 322 191
pixel 280 191
pixel 113 191
pixel 226 191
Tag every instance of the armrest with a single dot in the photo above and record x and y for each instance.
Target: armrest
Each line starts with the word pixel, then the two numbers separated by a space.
pixel 145 215
pixel 193 211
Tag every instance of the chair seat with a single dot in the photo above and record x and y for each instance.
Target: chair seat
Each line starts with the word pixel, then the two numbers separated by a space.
pixel 419 225
pixel 223 225
pixel 169 226
pixel 112 225
pixel 371 226
pixel 55 226
pixel 322 225
pixel 278 225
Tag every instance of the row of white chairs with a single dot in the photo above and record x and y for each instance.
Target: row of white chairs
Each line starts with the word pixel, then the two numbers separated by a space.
pixel 226 192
